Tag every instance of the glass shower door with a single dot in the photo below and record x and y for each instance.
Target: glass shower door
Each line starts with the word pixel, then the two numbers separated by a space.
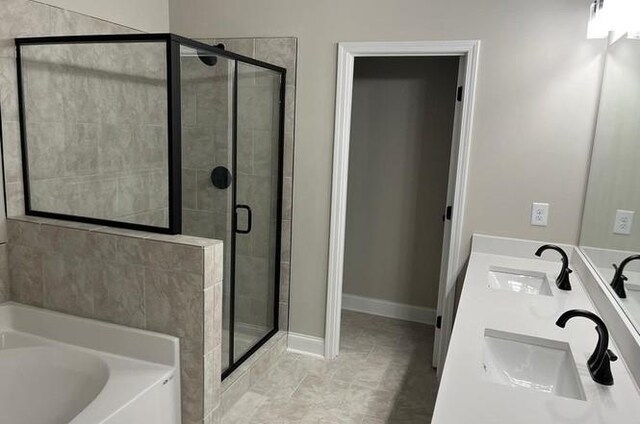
pixel 207 96
pixel 257 212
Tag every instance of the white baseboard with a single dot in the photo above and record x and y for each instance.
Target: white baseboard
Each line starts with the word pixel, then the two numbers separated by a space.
pixel 384 308
pixel 307 345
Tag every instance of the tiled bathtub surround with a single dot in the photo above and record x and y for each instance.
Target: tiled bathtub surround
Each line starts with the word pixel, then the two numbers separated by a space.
pixel 169 284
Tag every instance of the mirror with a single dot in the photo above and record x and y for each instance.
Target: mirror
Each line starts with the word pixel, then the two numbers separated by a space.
pixel 610 234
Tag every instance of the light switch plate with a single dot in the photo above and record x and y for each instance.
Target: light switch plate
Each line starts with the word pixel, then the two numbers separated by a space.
pixel 539 214
pixel 623 222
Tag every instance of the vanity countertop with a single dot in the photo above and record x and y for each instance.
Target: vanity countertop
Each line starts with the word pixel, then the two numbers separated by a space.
pixel 465 394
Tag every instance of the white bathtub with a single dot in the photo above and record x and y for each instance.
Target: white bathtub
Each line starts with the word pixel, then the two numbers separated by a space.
pixel 59 369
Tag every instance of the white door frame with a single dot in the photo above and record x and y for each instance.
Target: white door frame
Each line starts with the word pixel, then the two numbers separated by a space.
pixel 347 52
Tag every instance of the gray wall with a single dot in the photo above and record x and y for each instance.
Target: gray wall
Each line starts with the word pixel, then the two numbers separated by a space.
pixel 537 91
pixel 614 176
pixel 401 127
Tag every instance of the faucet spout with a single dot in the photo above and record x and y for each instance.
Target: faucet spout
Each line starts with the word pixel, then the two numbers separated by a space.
pixel 599 362
pixel 617 284
pixel 562 281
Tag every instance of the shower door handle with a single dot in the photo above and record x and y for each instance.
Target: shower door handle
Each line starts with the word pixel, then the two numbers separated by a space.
pixel 249 219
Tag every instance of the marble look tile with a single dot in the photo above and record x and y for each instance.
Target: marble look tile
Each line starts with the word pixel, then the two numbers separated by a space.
pixel 68 285
pixel 119 295
pixel 192 382
pixel 320 415
pixel 282 411
pixel 244 408
pixel 279 51
pixel 209 197
pixel 25 273
pixel 287 160
pixel 12 151
pixel 282 380
pixel 210 333
pixel 160 255
pixel 321 392
pixel 175 305
pixel 377 403
pixel 189 188
pixel 217 315
pixel 287 197
pixel 4 272
pixel 198 147
pixel 21 19
pixel 234 391
pixel 285 248
pixel 214 417
pixel 8 84
pixel 23 233
pixel 284 282
pixel 80 242
pixel 212 371
pixel 283 316
pixel 243 46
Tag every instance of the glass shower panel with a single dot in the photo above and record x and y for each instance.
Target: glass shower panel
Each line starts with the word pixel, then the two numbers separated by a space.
pixel 207 161
pixel 257 197
pixel 96 134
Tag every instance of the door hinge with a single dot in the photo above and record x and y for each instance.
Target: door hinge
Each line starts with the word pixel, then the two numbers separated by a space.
pixel 449 212
pixel 459 95
pixel 439 321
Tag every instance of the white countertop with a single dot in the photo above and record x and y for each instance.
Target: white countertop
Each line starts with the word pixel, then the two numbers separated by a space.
pixel 466 396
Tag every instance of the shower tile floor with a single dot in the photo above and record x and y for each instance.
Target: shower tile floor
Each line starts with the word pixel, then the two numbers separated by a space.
pixel 383 375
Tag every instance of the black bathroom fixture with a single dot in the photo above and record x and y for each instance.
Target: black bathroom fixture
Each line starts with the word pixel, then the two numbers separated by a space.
pixel 221 177
pixel 599 362
pixel 562 281
pixel 617 284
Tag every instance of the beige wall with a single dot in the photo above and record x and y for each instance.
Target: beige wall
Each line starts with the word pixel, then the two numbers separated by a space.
pixel 535 106
pixel 401 126
pixel 614 165
pixel 145 15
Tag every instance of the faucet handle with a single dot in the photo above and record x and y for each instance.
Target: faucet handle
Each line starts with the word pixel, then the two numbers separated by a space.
pixel 612 356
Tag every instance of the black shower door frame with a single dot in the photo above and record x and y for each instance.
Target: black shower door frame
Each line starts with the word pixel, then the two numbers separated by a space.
pixel 234 364
pixel 174 123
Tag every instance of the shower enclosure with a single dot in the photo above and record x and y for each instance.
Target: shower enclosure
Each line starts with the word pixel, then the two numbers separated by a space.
pixel 161 133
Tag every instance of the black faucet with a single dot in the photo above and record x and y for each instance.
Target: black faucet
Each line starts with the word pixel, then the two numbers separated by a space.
pixel 562 281
pixel 618 279
pixel 599 362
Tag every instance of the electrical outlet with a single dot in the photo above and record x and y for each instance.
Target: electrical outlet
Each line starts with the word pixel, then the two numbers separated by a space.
pixel 623 222
pixel 539 214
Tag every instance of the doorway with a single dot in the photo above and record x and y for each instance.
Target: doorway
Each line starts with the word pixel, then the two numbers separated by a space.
pixel 461 60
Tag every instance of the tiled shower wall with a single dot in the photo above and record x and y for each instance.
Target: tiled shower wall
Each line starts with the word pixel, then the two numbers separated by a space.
pixel 169 284
pixel 96 121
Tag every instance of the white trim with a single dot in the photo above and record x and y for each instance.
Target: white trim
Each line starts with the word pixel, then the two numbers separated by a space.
pixel 385 308
pixel 306 345
pixel 347 52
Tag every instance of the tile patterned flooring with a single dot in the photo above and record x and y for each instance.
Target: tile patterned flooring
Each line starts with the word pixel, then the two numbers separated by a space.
pixel 383 375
